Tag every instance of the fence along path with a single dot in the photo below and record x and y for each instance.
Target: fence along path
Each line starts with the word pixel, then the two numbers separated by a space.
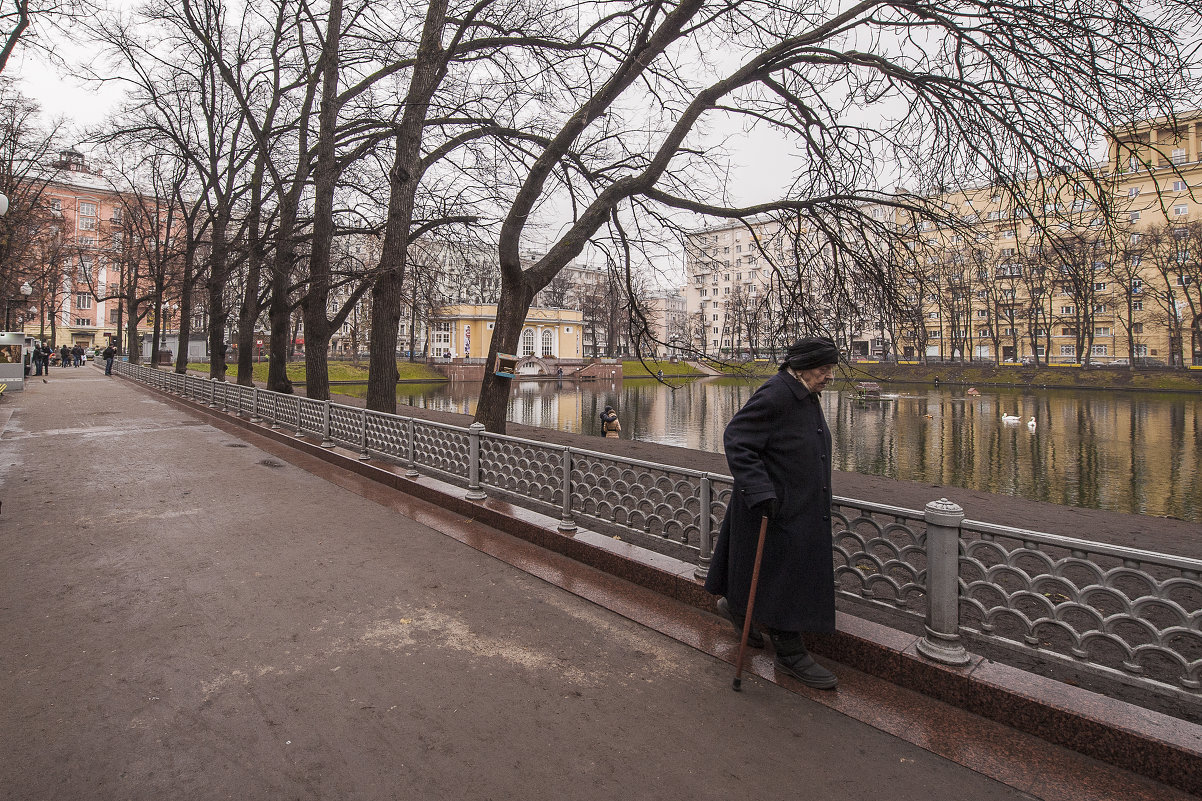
pixel 1128 619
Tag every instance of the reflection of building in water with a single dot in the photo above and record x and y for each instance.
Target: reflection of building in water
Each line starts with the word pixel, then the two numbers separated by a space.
pixel 547 405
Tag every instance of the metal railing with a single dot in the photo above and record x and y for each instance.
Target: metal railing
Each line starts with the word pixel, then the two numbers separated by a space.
pixel 1118 614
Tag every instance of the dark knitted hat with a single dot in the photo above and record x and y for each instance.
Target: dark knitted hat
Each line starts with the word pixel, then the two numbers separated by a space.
pixel 810 352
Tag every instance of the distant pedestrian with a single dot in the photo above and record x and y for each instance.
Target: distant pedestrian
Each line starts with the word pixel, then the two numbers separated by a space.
pixel 108 354
pixel 64 355
pixel 77 354
pixel 610 425
pixel 37 358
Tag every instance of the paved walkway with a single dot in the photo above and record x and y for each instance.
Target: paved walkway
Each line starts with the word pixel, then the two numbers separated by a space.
pixel 191 614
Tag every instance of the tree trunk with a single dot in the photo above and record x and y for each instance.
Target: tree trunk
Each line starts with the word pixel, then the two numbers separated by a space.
pixel 382 372
pixel 280 321
pixel 185 309
pixel 403 179
pixel 325 178
pixel 248 312
pixel 218 276
pixel 515 301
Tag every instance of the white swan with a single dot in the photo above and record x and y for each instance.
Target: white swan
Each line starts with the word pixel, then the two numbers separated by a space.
pixel 1010 418
pixel 1031 423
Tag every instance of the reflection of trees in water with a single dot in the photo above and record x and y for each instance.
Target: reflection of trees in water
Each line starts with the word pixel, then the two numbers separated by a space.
pixel 1130 452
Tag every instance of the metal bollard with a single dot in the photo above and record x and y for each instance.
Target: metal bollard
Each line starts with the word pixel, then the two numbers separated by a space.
pixel 474 493
pixel 705 531
pixel 254 406
pixel 942 640
pixel 212 393
pixel 567 523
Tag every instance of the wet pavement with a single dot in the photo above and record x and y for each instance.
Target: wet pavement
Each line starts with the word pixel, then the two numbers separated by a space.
pixel 190 610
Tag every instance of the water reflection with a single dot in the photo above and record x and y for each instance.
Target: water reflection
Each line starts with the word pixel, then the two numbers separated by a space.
pixel 1131 452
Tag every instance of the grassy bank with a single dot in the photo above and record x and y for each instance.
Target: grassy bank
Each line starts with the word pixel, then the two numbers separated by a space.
pixel 637 369
pixel 339 371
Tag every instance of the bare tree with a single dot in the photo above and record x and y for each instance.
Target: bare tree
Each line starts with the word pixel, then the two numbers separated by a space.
pixel 997 92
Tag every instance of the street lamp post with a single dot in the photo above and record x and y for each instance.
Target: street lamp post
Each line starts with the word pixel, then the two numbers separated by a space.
pixel 26 291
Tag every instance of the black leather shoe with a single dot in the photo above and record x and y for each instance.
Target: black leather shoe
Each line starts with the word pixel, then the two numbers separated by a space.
pixel 793 658
pixel 754 638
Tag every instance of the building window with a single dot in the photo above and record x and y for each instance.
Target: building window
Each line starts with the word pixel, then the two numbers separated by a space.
pixel 1099 308
pixel 118 215
pixel 1133 216
pixel 715 331
pixel 1133 191
pixel 1141 350
pixel 113 315
pixel 1178 155
pixel 1137 305
pixel 982 312
pixel 1099 286
pixel 87 216
pixel 1178 186
pixel 1180 210
pixel 1101 331
pixel 528 342
pixel 1098 350
pixel 1068 332
pixel 548 342
pixel 82 321
pixel 1068 350
pixel 1137 286
pixel 83 300
pixel 1137 328
pixel 1067 310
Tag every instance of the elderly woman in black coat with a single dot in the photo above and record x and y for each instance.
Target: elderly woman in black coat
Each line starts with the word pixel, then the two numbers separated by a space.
pixel 778 448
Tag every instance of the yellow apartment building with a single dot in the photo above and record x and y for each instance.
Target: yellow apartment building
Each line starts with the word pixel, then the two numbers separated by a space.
pixel 1061 276
pixel 464 331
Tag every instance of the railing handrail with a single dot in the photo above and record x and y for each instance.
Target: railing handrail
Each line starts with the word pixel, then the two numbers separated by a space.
pixel 1183 563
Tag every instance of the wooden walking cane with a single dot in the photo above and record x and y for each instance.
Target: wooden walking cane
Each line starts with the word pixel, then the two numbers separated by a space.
pixel 737 685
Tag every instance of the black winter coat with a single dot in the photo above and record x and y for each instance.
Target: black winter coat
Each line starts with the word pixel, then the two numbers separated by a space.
pixel 778 446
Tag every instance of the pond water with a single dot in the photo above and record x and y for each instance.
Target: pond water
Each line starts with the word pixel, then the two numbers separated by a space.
pixel 1123 451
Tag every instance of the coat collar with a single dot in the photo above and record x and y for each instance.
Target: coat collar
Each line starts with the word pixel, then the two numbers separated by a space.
pixel 799 389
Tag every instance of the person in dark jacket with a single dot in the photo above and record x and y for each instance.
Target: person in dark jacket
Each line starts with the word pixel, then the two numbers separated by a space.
pixel 37 358
pixel 108 354
pixel 64 355
pixel 778 448
pixel 610 425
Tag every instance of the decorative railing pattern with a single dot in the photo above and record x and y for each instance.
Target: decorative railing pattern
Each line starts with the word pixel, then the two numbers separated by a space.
pixel 1115 612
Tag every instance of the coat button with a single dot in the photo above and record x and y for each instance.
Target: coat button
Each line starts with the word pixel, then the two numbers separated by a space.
pixel 826 517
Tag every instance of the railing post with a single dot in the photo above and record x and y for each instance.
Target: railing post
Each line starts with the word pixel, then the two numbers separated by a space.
pixel 275 411
pixel 474 493
pixel 212 393
pixel 363 454
pixel 326 442
pixel 254 406
pixel 566 521
pixel 705 534
pixel 412 471
pixel 942 640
